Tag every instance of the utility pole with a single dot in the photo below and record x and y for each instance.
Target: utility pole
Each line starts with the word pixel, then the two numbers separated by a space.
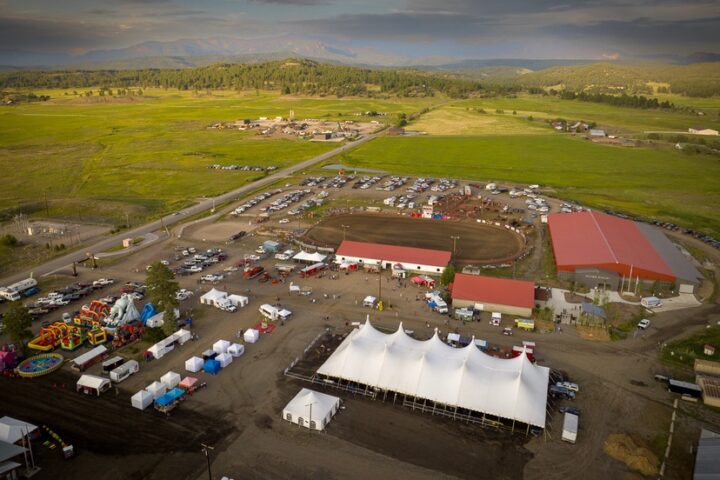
pixel 127 220
pixel 380 281
pixel 47 210
pixel 344 227
pixel 455 238
pixel 206 450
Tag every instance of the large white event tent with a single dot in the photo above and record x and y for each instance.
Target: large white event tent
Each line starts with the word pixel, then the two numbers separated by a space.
pixel 465 378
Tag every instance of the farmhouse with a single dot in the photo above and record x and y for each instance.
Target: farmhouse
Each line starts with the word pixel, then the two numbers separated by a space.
pixel 512 297
pixel 702 131
pixel 594 249
pixel 412 259
pixel 430 375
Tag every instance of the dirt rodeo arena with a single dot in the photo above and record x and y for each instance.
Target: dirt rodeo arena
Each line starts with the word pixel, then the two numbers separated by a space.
pixel 625 414
pixel 477 243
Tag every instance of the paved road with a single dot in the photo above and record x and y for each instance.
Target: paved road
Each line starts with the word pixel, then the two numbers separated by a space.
pixel 206 204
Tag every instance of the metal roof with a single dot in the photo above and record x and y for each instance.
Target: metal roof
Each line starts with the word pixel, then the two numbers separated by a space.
pixel 501 291
pixel 592 239
pixel 707 459
pixel 671 254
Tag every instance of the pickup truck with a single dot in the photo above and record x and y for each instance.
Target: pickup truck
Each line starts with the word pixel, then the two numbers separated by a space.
pixel 252 272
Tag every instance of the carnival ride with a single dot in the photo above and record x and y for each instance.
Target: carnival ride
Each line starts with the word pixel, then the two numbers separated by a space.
pixel 39 365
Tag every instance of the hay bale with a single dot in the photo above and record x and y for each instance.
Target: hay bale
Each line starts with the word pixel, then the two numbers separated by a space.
pixel 633 453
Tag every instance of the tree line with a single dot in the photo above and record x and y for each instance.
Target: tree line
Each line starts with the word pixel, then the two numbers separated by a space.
pixel 624 100
pixel 288 76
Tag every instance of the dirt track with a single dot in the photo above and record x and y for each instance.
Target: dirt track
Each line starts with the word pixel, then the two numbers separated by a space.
pixel 478 243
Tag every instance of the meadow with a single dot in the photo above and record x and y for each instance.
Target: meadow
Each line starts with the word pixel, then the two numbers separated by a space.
pixel 102 158
pixel 628 121
pixel 660 183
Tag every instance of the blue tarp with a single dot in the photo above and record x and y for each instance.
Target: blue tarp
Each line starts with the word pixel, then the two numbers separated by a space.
pixel 211 366
pixel 170 396
pixel 148 311
pixel 594 310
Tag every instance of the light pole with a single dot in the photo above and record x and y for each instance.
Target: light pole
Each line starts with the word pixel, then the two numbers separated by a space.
pixel 206 450
pixel 455 238
pixel 344 227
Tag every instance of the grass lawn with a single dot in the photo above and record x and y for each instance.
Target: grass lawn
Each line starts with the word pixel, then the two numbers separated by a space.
pixel 102 157
pixel 684 352
pixel 654 182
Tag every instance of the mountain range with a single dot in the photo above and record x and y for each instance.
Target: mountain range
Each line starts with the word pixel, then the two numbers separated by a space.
pixel 187 53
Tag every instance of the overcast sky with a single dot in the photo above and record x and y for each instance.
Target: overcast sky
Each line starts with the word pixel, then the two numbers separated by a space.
pixel 415 28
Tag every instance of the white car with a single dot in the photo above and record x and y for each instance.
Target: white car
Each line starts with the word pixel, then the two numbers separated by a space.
pixel 284 221
pixel 165 262
pixel 569 385
pixel 104 281
pixel 644 323
pixel 180 296
pixel 195 269
pixel 252 258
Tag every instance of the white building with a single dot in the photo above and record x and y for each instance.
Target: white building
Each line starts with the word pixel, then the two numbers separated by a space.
pixel 386 256
pixel 311 409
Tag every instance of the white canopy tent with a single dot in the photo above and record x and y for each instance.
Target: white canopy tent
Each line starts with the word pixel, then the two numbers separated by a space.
pixel 170 380
pixel 221 346
pixel 212 297
pixel 12 430
pixel 225 359
pixel 156 389
pixel 238 300
pixel 141 400
pixel 251 335
pixel 92 383
pixel 311 409
pixel 308 257
pixel 194 364
pixel 513 389
pixel 236 349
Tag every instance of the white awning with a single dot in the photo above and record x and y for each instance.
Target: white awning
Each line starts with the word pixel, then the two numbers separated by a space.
pixel 12 430
pixel 514 388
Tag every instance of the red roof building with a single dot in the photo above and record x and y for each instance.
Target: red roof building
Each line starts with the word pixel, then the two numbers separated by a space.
pixel 514 297
pixel 417 259
pixel 592 240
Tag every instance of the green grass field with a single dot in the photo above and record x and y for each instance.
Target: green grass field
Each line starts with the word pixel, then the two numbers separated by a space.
pixel 97 159
pixel 614 119
pixel 654 182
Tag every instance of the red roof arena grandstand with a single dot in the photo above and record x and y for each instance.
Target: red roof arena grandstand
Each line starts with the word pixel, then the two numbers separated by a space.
pixel 596 249
pixel 387 256
pixel 513 297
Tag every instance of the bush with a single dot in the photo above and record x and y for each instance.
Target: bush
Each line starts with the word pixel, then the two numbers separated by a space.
pixel 8 240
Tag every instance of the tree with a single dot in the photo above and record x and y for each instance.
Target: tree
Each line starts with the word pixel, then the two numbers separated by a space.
pixel 17 323
pixel 448 275
pixel 162 291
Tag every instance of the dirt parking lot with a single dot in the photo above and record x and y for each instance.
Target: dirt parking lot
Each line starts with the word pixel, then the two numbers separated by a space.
pixel 478 243
pixel 239 412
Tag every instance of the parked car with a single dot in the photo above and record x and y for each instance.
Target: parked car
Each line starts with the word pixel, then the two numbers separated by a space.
pixel 568 409
pixel 569 385
pixel 643 324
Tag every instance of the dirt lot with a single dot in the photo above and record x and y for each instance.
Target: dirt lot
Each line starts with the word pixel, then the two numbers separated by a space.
pixel 478 243
pixel 239 412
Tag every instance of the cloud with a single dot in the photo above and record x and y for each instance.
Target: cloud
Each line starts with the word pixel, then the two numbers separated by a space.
pixel 101 11
pixel 50 35
pixel 300 3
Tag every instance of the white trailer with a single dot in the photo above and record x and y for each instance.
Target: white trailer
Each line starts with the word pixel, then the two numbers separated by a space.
pixel 124 371
pixel 570 428
pixel 14 292
pixel 274 313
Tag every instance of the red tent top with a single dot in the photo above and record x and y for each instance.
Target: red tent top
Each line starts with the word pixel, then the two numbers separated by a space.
pixel 394 253
pixel 502 291
pixel 597 239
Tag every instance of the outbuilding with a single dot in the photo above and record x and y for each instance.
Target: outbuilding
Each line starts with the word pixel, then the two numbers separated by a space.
pixel 311 409
pixel 512 297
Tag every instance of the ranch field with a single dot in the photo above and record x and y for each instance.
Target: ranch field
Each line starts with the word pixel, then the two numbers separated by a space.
pixel 100 158
pixel 660 183
pixel 477 244
pixel 614 119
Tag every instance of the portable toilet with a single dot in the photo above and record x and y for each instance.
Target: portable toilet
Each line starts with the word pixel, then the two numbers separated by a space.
pixel 211 366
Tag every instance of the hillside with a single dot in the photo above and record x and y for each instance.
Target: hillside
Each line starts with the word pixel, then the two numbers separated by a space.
pixel 291 76
pixel 698 80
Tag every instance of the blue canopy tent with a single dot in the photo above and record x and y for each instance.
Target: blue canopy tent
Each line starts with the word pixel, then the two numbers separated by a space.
pixel 170 397
pixel 211 366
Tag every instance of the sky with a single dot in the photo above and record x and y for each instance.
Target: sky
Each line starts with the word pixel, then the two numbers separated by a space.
pixel 410 28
